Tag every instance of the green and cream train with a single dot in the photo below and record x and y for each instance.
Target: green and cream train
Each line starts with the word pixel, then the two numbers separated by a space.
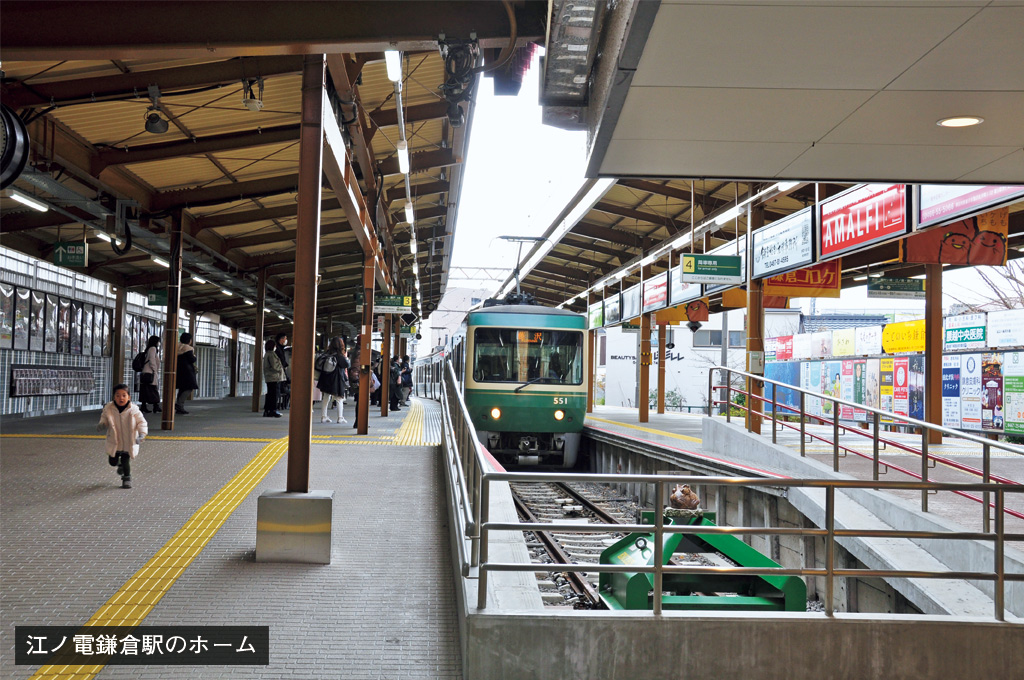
pixel 523 376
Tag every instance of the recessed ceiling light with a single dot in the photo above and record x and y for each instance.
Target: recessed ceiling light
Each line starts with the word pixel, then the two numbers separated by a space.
pixel 961 121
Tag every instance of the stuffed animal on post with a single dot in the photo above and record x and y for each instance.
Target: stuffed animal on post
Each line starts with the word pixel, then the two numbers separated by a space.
pixel 684 498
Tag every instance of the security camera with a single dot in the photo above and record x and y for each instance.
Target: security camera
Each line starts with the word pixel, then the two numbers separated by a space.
pixel 419 337
pixel 694 326
pixel 670 345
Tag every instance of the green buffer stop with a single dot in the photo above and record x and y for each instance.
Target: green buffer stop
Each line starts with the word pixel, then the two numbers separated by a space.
pixel 627 590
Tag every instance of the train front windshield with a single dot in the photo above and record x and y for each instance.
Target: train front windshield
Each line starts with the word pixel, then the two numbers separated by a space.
pixel 511 355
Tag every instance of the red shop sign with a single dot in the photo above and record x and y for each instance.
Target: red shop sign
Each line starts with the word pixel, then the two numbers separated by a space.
pixel 861 216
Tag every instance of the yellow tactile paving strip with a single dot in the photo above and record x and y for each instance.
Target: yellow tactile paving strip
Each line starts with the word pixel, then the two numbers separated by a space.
pixel 649 430
pixel 137 597
pixel 149 438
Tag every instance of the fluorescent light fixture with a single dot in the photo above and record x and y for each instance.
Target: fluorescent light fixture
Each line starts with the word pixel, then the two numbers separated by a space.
pixel 198 279
pixel 417 284
pixel 161 261
pixel 410 216
pixel 103 236
pixel 226 291
pixel 29 201
pixel 785 186
pixel 393 61
pixel 280 316
pixel 860 278
pixel 919 276
pixel 249 302
pixel 403 157
pixel 267 311
pixel 960 121
pixel 728 215
pixel 412 245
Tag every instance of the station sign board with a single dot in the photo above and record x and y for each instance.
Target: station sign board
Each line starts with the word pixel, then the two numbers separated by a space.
pixel 941 203
pixel 71 253
pixel 389 304
pixel 965 331
pixel 655 293
pixel 726 269
pixel 896 288
pixel 784 245
pixel 862 216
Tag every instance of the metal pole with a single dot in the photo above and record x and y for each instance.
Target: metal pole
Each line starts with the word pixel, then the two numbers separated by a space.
pixel 481 586
pixel 835 435
pixel 830 547
pixel 728 396
pixel 924 468
pixel 874 448
pixel 986 470
pixel 711 375
pixel 775 426
pixel 1000 566
pixel 803 426
pixel 659 525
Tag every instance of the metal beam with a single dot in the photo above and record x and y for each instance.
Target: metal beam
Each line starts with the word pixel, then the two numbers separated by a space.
pixel 281 236
pixel 607 234
pixel 259 215
pixel 128 30
pixel 418 162
pixel 571 240
pixel 631 213
pixel 224 193
pixel 422 189
pixel 413 114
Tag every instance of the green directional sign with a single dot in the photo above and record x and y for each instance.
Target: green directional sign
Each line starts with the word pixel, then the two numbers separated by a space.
pixel 408 331
pixel 896 288
pixel 71 253
pixel 157 298
pixel 712 269
pixel 392 304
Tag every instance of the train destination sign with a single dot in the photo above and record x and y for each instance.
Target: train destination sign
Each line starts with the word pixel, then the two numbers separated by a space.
pixel 896 288
pixel 727 269
pixel 861 216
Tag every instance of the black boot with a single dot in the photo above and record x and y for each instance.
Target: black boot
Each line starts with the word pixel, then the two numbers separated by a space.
pixel 156 408
pixel 144 409
pixel 126 482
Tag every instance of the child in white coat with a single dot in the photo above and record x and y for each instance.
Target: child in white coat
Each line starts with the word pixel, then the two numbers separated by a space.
pixel 126 428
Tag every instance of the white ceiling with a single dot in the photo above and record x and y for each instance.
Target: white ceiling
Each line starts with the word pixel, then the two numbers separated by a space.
pixel 815 90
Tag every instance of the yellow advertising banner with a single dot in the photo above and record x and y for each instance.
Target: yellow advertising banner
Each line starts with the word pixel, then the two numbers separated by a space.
pixel 734 298
pixel 844 342
pixel 906 336
pixel 819 280
pixel 672 316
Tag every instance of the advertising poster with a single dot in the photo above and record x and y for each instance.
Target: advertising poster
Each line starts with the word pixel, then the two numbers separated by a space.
pixel 820 280
pixel 917 387
pixel 846 412
pixel 64 326
pixel 87 329
pixel 97 332
pixel 679 291
pixel 789 373
pixel 6 315
pixel 868 340
pixel 831 385
pixel 784 348
pixel 810 374
pixel 885 391
pixel 802 346
pixel 844 342
pixel 860 389
pixel 1006 328
pixel 52 312
pixel 595 315
pixel 631 302
pixel 970 391
pixel 992 391
pixel 943 202
pixel 901 386
pixel 872 382
pixel 107 323
pixel 655 293
pixel 974 241
pixel 784 244
pixel 37 319
pixel 966 331
pixel 1013 392
pixel 863 215
pixel 821 344
pixel 612 309
pixel 76 328
pixel 951 390
pixel 21 314
pixel 905 336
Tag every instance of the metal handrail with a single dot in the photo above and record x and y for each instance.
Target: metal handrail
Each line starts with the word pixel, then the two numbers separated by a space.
pixel 998 573
pixel 861 407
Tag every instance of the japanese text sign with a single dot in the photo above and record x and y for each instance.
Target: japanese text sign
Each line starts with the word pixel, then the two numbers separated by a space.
pixel 861 216
pixel 821 280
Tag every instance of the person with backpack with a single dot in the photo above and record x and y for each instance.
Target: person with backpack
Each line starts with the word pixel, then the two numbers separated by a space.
pixel 395 384
pixel 148 391
pixel 187 380
pixel 406 379
pixel 333 379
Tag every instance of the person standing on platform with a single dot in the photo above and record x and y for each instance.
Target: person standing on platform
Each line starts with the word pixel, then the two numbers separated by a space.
pixel 395 384
pixel 406 379
pixel 187 379
pixel 273 374
pixel 126 428
pixel 284 387
pixel 333 383
pixel 148 391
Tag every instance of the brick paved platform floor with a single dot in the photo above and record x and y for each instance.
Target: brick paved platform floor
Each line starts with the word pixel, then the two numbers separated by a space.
pixel 70 539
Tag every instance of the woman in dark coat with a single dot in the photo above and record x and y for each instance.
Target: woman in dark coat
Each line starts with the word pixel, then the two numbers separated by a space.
pixel 334 383
pixel 148 392
pixel 186 378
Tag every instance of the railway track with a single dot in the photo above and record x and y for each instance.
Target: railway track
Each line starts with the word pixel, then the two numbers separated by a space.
pixel 561 503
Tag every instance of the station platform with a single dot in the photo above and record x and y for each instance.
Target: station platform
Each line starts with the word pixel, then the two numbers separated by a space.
pixel 179 547
pixel 685 431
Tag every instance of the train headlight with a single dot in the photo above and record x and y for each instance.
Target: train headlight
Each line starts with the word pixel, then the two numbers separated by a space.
pixel 496 413
pixel 559 414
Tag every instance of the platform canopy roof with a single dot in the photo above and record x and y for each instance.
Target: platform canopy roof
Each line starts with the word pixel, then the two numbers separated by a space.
pixel 86 78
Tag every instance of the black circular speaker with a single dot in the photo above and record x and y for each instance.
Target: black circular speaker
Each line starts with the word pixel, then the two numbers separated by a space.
pixel 14 146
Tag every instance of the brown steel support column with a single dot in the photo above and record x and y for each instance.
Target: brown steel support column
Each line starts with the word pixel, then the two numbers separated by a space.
pixel 591 363
pixel 365 345
pixel 307 250
pixel 257 361
pixel 662 334
pixel 755 329
pixel 933 349
pixel 118 337
pixel 171 322
pixel 385 367
pixel 403 346
pixel 645 367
